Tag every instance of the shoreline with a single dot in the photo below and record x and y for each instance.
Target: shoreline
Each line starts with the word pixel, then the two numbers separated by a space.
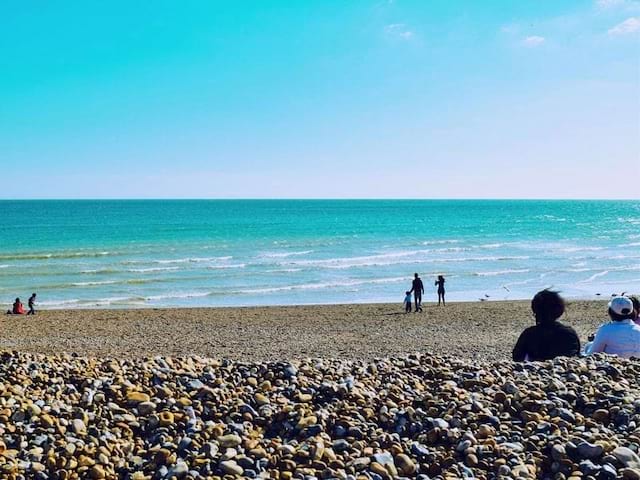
pixel 473 330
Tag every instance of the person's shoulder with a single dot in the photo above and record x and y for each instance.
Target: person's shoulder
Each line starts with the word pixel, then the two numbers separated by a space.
pixel 532 330
pixel 566 328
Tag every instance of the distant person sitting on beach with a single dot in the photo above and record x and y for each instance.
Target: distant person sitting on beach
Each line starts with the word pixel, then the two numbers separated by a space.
pixel 17 309
pixel 417 288
pixel 548 338
pixel 440 284
pixel 407 302
pixel 32 304
pixel 621 336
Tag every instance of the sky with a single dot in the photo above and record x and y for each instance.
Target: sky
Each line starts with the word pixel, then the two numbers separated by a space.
pixel 320 99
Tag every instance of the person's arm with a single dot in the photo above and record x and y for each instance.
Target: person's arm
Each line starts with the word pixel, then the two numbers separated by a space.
pixel 600 342
pixel 519 353
pixel 421 286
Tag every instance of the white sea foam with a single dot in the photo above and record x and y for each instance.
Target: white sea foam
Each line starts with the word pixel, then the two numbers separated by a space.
pixel 224 267
pixel 152 269
pixel 594 276
pixel 192 260
pixel 284 254
pixel 88 284
pixel 501 272
pixel 177 295
pixel 580 249
pixel 322 285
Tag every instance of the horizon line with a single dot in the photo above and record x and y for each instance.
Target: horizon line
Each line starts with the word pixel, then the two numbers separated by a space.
pixel 89 199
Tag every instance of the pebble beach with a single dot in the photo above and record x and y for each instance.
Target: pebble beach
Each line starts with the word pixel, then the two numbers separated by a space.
pixel 408 405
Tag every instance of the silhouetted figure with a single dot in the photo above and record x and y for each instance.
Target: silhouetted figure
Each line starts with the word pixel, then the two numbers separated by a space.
pixel 548 338
pixel 407 302
pixel 417 288
pixel 440 284
pixel 32 304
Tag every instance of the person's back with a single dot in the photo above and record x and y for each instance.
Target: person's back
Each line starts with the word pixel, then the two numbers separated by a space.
pixel 621 336
pixel 18 308
pixel 546 342
pixel 549 338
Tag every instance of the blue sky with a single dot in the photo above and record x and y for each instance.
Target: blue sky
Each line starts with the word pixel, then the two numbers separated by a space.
pixel 244 99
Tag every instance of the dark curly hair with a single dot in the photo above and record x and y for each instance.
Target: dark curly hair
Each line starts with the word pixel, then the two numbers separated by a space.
pixel 547 306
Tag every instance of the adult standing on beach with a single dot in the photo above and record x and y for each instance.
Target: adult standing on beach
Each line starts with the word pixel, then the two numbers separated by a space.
pixel 417 288
pixel 440 284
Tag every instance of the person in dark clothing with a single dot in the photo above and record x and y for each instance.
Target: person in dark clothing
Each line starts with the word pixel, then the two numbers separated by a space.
pixel 440 284
pixel 417 289
pixel 32 304
pixel 548 338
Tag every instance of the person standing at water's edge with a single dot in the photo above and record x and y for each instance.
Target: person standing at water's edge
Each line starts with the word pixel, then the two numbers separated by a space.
pixel 32 304
pixel 417 288
pixel 548 338
pixel 440 284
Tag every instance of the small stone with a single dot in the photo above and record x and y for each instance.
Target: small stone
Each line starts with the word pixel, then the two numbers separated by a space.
pixel 627 457
pixel 589 450
pixel 97 472
pixel 631 474
pixel 405 465
pixel 78 426
pixel 230 467
pixel 137 397
pixel 146 408
pixel 231 440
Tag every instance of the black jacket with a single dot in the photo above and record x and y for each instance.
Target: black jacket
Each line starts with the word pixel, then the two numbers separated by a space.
pixel 546 341
pixel 417 287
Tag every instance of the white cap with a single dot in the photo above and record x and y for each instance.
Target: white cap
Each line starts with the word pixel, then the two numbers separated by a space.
pixel 621 305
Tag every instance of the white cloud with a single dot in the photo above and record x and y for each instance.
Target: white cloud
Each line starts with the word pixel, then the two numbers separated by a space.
pixel 630 25
pixel 398 30
pixel 533 41
pixel 604 4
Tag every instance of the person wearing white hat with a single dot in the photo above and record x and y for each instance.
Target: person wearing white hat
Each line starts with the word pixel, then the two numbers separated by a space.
pixel 621 336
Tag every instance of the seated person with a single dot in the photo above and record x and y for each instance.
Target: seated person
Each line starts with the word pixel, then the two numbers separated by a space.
pixel 621 336
pixel 18 308
pixel 548 338
pixel 636 309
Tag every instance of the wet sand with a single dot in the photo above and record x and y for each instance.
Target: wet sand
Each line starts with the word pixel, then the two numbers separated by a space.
pixel 473 331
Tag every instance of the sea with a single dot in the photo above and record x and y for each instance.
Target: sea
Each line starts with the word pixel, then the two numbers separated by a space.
pixel 196 253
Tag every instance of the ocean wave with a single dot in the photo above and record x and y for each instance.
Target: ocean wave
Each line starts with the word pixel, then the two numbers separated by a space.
pixel 55 255
pixel 97 271
pixel 225 267
pixel 5 266
pixel 284 254
pixel 580 249
pixel 322 285
pixel 89 284
pixel 152 269
pixel 439 242
pixel 501 272
pixel 632 244
pixel 192 260
pixel 594 276
pixel 284 270
pixel 177 295
pixel 394 258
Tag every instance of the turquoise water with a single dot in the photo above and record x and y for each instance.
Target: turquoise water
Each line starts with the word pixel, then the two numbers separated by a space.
pixel 225 252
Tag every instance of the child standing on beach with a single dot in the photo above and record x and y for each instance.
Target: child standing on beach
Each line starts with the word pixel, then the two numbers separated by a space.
pixel 407 302
pixel 32 304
